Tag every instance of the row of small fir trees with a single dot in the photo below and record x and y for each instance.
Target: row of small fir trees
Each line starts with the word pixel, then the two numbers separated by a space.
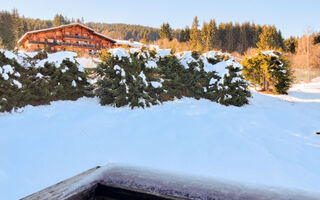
pixel 128 81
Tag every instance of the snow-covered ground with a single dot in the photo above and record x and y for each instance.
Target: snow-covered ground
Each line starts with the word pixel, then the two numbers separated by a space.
pixel 272 141
pixel 129 43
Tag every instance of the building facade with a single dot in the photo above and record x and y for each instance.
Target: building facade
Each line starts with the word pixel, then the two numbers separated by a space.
pixel 72 37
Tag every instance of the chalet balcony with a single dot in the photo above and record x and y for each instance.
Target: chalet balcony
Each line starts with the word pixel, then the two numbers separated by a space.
pixel 76 37
pixel 38 42
pixel 76 45
pixel 64 44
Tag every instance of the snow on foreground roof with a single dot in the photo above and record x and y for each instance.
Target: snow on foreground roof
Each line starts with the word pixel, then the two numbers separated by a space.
pixel 160 183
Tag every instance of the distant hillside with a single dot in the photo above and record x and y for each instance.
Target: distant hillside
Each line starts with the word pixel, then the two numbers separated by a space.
pixel 125 31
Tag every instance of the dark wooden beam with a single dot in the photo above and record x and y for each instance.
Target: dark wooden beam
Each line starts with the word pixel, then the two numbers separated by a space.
pixel 101 191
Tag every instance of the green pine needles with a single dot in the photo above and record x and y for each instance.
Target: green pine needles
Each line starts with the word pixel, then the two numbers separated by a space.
pixel 140 78
pixel 269 70
pixel 129 80
pixel 32 85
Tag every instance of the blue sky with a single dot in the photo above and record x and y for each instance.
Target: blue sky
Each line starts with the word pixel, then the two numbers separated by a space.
pixel 291 16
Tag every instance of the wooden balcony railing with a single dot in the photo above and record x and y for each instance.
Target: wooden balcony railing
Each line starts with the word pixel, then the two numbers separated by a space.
pixel 76 45
pixel 64 44
pixel 76 37
pixel 38 42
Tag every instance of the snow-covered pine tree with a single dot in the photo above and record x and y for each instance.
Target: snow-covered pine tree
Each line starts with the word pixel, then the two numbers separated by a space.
pixel 21 85
pixel 268 69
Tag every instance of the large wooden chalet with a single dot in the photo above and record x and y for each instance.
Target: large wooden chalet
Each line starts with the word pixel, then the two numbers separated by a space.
pixel 71 37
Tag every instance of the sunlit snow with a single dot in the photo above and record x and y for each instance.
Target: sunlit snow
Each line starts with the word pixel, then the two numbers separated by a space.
pixel 271 141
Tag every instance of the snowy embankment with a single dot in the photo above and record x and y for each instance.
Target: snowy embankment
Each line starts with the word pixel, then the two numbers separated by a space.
pixel 271 141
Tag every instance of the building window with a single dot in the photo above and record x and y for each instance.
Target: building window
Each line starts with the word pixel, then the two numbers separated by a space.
pixel 84 42
pixel 58 41
pixel 79 42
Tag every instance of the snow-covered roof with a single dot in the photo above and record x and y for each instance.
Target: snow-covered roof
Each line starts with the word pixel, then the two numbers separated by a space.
pixel 63 26
pixel 162 184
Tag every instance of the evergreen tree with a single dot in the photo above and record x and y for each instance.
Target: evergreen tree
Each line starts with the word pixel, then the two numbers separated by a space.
pixel 244 37
pixel 255 33
pixel 280 40
pixel 291 44
pixel 268 70
pixel 59 20
pixel 211 35
pixel 316 39
pixel 166 31
pixel 145 39
pixel 236 36
pixel 208 35
pixel 19 26
pixel 270 39
pixel 229 37
pixel 221 37
pixel 204 35
pixel 7 30
pixel 184 35
pixel 195 36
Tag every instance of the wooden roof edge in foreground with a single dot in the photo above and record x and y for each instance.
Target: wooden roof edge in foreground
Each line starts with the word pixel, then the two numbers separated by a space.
pixel 60 191
pixel 51 192
pixel 64 26
pixel 123 182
